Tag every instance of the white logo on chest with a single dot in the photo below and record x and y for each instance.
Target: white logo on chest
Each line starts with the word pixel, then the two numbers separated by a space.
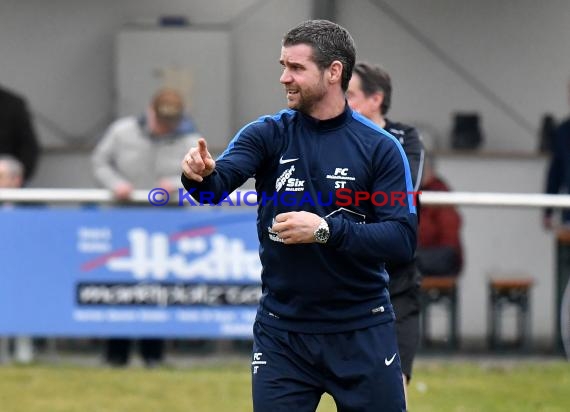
pixel 340 177
pixel 290 183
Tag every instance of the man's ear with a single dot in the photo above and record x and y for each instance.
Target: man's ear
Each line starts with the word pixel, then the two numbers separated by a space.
pixel 335 72
pixel 378 98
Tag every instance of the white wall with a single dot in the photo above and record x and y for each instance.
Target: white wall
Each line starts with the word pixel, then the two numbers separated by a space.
pixel 257 48
pixel 60 55
pixel 502 242
pixel 519 49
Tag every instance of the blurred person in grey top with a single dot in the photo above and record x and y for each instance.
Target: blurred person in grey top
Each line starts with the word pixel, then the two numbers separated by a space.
pixel 143 152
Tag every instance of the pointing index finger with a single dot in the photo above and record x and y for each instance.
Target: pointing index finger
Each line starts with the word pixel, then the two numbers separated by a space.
pixel 202 147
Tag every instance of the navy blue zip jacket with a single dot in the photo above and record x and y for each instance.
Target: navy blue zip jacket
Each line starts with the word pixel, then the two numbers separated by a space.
pixel 323 167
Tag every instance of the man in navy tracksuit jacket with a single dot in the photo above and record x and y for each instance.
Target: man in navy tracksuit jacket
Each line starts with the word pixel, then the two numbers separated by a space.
pixel 325 322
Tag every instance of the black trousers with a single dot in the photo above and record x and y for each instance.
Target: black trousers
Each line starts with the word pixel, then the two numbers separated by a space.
pixel 118 350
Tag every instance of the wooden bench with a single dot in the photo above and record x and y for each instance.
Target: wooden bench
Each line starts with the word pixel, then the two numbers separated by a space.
pixel 439 290
pixel 505 293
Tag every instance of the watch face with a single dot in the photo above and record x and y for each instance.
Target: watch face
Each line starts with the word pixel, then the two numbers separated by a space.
pixel 322 235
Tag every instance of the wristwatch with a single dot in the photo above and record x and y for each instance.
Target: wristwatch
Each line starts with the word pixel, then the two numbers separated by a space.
pixel 322 233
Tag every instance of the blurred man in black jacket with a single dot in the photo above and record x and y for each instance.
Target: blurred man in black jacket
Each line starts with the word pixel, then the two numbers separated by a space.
pixel 17 135
pixel 370 93
pixel 558 177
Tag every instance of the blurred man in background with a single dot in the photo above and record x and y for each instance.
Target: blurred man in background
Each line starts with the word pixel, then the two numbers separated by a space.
pixel 370 93
pixel 11 172
pixel 558 177
pixel 143 153
pixel 17 135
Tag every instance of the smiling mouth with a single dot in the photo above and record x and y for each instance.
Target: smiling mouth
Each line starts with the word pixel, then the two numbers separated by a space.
pixel 292 93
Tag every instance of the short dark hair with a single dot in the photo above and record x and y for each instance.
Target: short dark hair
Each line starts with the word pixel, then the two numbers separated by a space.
pixel 329 41
pixel 374 79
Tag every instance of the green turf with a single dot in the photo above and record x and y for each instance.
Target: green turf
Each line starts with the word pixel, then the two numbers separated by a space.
pixel 442 386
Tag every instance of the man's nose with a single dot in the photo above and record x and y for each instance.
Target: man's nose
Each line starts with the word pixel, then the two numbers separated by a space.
pixel 285 77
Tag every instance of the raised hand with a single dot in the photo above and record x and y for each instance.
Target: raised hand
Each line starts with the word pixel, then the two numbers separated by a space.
pixel 198 162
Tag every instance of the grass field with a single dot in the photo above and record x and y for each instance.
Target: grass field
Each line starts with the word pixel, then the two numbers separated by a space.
pixel 225 386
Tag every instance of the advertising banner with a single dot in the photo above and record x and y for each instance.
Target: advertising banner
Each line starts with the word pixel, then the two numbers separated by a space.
pixel 122 271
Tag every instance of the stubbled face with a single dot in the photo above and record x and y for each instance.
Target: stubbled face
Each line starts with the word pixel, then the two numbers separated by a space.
pixel 367 106
pixel 304 82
